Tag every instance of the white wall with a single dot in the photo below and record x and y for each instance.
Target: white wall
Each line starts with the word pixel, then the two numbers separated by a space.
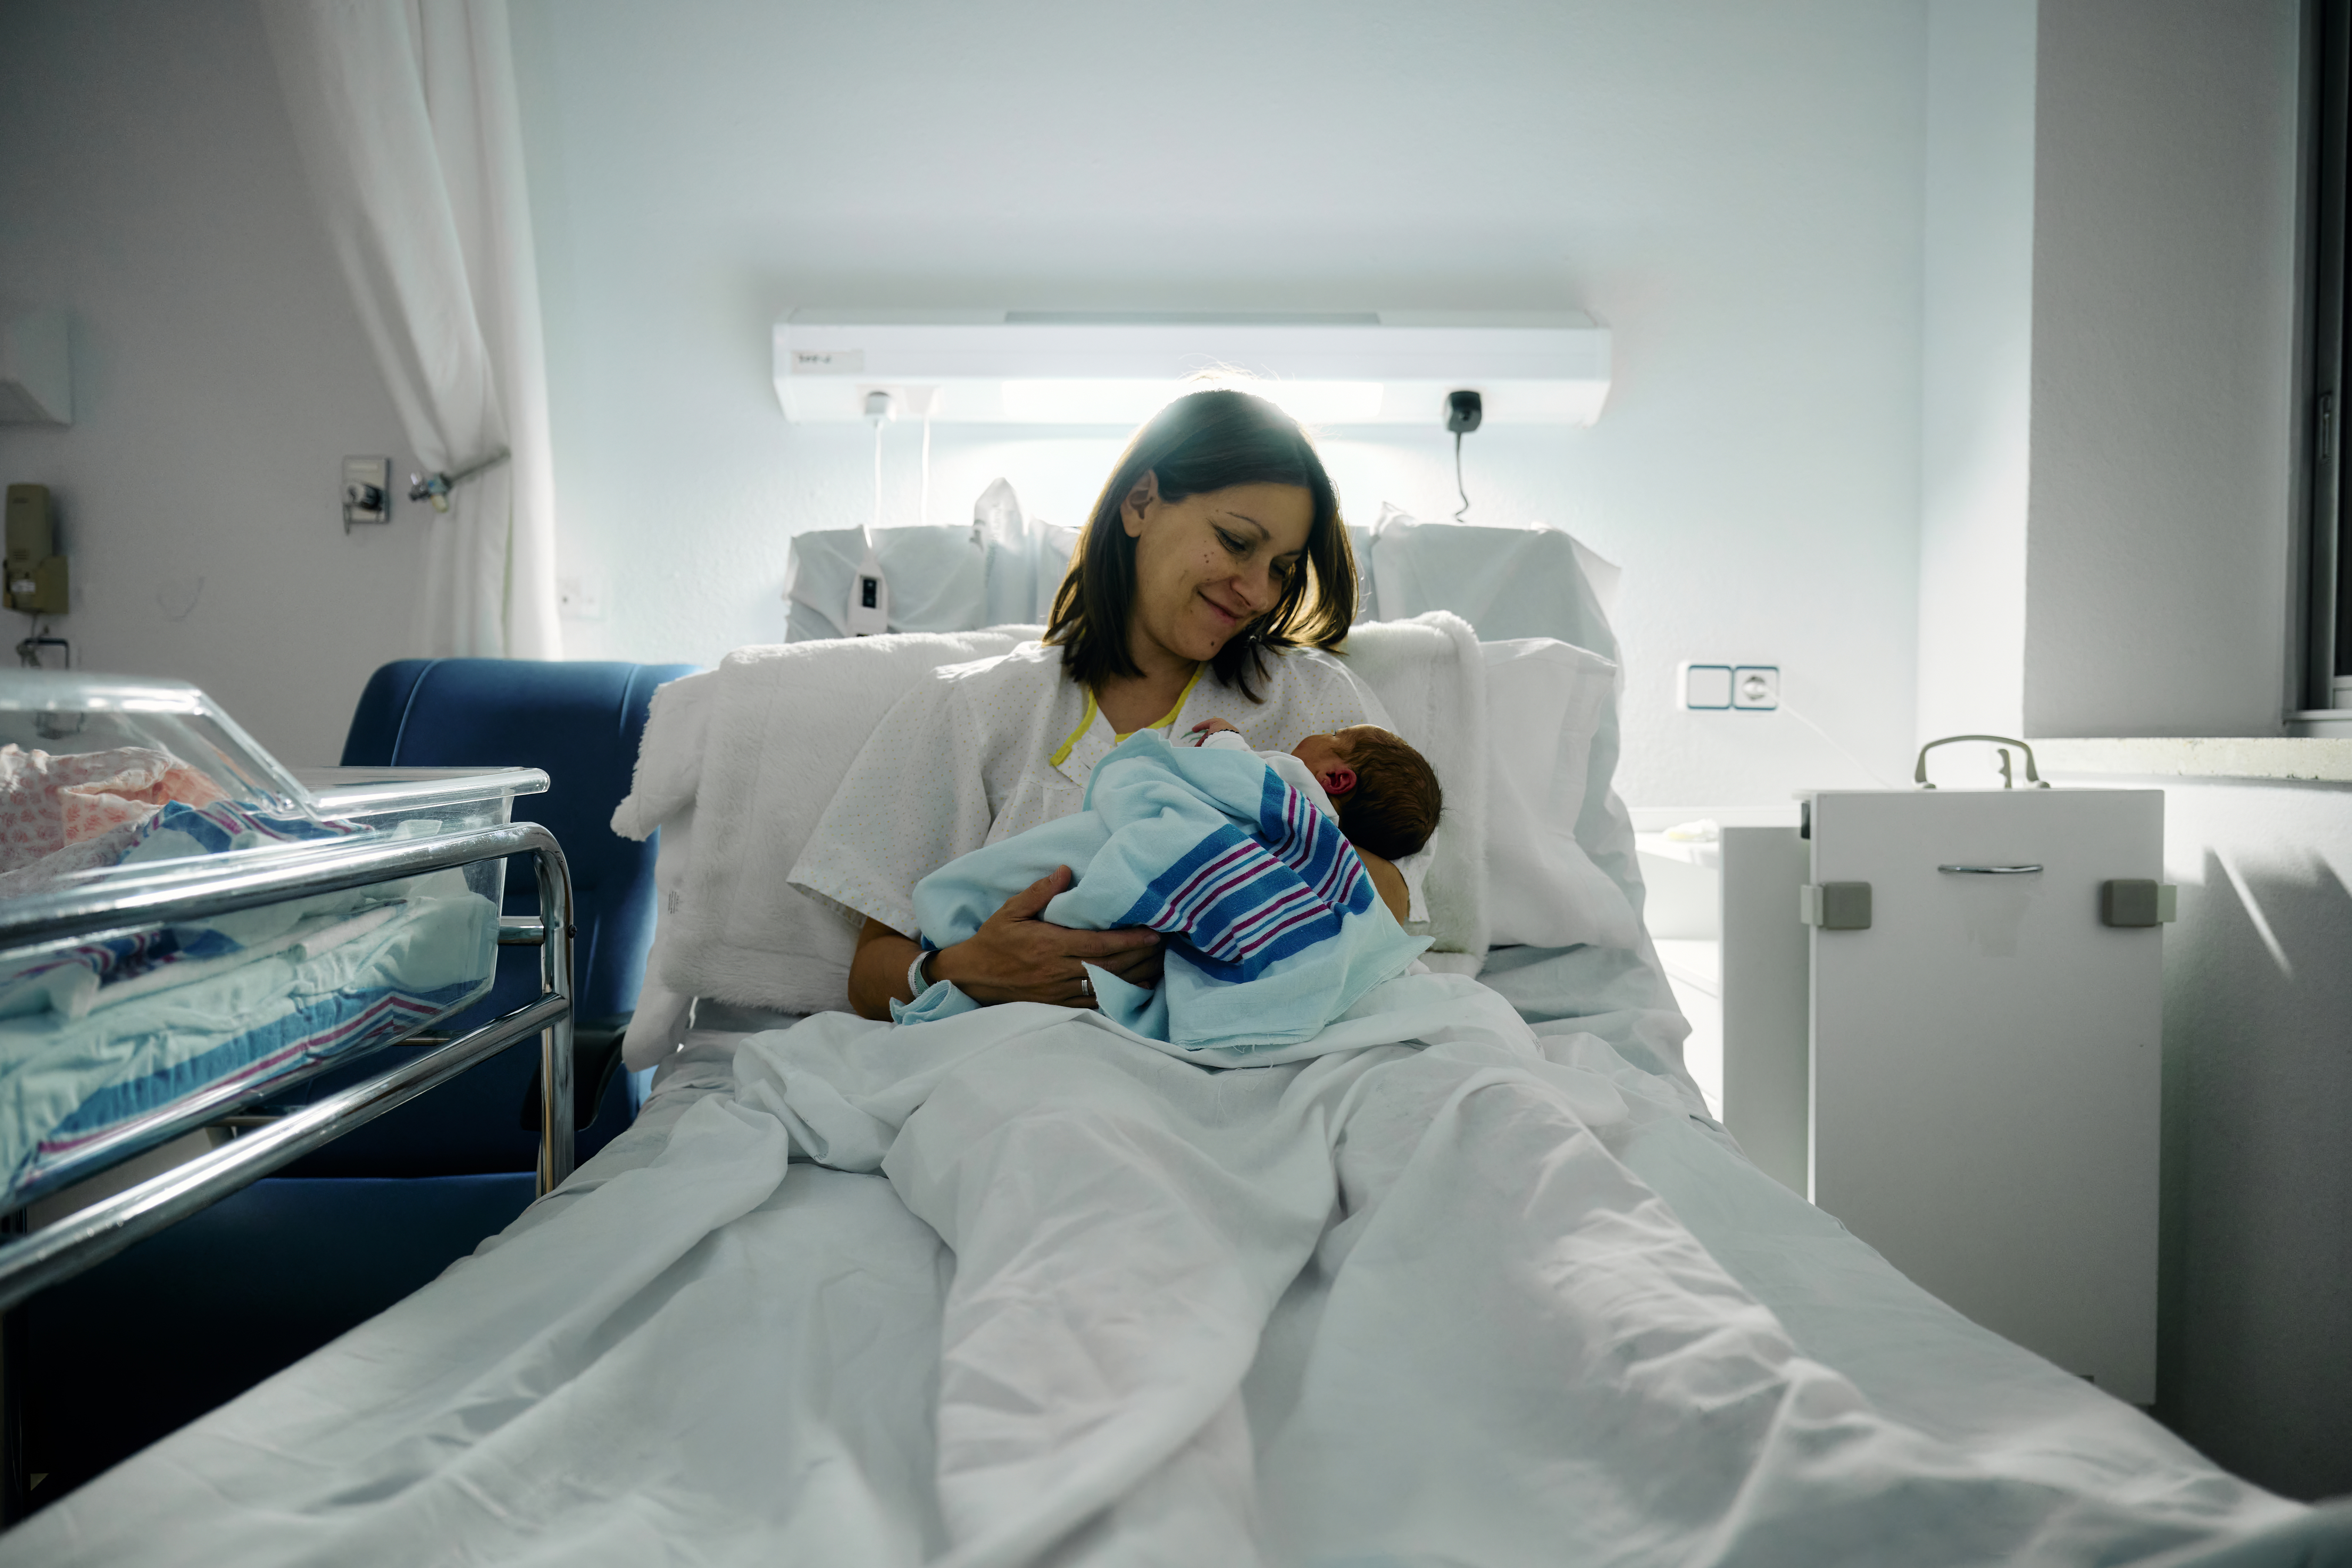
pixel 1976 366
pixel 1735 188
pixel 148 186
pixel 2158 602
pixel 2256 1362
pixel 2158 597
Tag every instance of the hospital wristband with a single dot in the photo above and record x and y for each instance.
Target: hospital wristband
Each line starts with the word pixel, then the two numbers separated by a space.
pixel 915 972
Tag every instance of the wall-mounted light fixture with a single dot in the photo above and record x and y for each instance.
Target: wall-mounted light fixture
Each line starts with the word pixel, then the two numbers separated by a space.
pixel 1093 367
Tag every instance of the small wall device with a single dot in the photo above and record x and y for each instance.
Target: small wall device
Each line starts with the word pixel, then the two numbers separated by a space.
pixel 1703 688
pixel 367 491
pixel 36 573
pixel 868 613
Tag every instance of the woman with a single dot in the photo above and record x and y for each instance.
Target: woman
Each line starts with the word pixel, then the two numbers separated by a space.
pixel 1211 576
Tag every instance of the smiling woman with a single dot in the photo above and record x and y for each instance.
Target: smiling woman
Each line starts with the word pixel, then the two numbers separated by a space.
pixel 1217 539
pixel 1215 550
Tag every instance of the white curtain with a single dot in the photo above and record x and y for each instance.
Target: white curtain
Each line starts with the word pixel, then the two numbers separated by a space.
pixel 406 116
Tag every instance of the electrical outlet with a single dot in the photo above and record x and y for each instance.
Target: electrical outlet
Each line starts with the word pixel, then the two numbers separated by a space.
pixel 1756 689
pixel 576 599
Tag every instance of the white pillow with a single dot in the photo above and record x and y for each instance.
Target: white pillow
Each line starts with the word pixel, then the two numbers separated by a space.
pixel 736 765
pixel 1545 699
pixel 729 927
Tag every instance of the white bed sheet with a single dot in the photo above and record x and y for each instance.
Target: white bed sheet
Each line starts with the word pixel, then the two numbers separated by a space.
pixel 693 1354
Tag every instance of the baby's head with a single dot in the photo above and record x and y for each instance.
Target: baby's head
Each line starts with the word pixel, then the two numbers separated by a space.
pixel 1386 791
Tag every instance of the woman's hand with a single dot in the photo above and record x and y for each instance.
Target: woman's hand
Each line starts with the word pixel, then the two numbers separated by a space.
pixel 1018 957
pixel 1207 727
pixel 1014 956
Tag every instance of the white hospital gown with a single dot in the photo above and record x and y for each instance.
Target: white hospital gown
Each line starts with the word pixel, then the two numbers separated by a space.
pixel 977 753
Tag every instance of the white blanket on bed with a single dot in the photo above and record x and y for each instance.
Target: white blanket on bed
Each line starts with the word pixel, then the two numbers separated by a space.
pixel 1498 1300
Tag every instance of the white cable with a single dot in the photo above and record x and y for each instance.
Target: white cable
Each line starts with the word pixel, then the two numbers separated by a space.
pixel 924 515
pixel 1841 751
pixel 877 474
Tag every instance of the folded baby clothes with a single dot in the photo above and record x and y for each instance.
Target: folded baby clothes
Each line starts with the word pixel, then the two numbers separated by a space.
pixel 1273 926
pixel 49 801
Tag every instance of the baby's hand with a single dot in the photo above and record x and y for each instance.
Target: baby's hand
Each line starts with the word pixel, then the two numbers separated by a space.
pixel 1206 728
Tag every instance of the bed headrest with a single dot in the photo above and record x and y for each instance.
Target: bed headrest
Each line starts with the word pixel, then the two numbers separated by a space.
pixel 1507 583
pixel 1510 583
pixel 1001 571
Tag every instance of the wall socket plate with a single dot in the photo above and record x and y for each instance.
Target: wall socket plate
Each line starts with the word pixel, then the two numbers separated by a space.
pixel 577 599
pixel 1704 687
pixel 1756 689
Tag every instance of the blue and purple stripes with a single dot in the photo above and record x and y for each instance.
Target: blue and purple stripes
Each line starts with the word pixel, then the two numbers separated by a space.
pixel 1238 904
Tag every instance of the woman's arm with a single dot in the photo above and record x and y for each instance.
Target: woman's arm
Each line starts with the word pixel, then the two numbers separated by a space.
pixel 1014 956
pixel 1387 881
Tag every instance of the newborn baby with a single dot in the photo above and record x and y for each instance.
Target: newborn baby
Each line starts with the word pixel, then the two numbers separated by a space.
pixel 1381 792
pixel 1240 859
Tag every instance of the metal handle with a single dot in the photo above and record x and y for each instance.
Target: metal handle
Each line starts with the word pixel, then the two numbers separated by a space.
pixel 1920 773
pixel 1990 870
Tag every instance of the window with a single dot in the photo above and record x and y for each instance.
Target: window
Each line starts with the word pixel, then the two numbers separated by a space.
pixel 2327 677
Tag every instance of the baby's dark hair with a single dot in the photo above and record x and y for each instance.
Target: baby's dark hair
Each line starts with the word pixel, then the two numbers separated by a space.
pixel 1395 806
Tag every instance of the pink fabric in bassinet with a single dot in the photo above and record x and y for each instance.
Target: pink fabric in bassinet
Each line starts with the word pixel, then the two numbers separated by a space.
pixel 49 801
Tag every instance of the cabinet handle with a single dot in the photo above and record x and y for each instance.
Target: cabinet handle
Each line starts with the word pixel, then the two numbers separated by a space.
pixel 1990 869
pixel 1920 773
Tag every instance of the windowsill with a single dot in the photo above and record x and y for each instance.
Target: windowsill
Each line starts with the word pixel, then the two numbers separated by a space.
pixel 2308 758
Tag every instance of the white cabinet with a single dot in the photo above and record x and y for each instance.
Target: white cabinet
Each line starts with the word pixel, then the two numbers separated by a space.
pixel 1969 1081
pixel 1986 1057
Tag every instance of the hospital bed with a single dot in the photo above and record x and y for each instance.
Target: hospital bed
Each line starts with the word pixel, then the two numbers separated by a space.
pixel 693 1351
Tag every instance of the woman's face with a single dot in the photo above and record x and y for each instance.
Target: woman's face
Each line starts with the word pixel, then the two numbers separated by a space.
pixel 1207 566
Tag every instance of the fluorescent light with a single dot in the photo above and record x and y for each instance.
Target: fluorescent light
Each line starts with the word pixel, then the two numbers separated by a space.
pixel 995 367
pixel 1322 403
pixel 1085 402
pixel 1132 402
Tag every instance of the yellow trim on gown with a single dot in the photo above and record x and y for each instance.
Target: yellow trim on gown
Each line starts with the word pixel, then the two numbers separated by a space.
pixel 1086 719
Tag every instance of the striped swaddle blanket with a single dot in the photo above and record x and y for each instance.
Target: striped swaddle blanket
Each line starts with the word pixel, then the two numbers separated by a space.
pixel 1273 928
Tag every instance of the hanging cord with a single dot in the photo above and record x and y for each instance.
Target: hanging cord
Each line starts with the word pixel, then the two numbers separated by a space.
pixel 1841 750
pixel 877 472
pixel 924 515
pixel 1459 490
pixel 36 637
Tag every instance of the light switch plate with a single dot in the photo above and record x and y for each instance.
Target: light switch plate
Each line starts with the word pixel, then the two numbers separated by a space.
pixel 367 491
pixel 579 599
pixel 1703 688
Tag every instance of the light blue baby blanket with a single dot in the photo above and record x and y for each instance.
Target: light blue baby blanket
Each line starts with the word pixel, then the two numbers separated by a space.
pixel 1273 925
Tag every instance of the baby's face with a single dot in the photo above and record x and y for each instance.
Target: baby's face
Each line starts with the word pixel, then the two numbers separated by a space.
pixel 1325 757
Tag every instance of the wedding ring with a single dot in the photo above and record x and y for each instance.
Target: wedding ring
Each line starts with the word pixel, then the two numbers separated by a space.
pixel 1085 985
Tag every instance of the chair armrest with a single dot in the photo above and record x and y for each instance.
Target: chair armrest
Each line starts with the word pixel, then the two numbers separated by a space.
pixel 595 1057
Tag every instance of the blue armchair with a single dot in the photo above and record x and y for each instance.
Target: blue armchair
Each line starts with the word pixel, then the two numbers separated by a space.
pixel 580 723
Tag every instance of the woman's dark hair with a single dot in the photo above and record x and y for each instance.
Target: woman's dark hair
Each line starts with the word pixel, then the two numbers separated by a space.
pixel 1207 441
